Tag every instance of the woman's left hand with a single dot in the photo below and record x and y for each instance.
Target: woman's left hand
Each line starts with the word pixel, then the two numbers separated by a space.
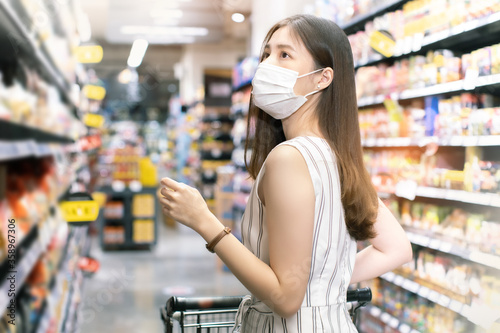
pixel 183 203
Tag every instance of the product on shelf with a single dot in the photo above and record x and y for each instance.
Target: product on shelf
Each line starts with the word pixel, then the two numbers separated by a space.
pixel 419 19
pixel 420 97
pixel 472 231
pixel 29 193
pixel 123 158
pixel 343 13
pixel 129 218
pixel 114 210
pixel 37 104
pixel 440 66
pixel 38 116
pixel 143 205
pixel 389 167
pixel 143 231
pixel 113 234
pixel 49 35
pixel 415 311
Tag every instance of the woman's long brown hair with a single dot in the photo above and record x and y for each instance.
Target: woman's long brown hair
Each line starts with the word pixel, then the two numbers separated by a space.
pixel 337 114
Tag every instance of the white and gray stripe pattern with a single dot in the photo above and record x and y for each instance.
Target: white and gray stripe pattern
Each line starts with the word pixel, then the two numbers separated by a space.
pixel 334 251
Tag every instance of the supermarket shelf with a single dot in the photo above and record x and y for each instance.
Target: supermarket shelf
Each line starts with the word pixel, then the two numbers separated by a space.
pixel 358 22
pixel 40 318
pixel 460 141
pixel 26 257
pixel 429 294
pixel 45 316
pixel 220 118
pixel 22 271
pixel 465 34
pixel 64 273
pixel 409 190
pixel 10 131
pixel 11 21
pixel 487 259
pixel 443 88
pixel 19 149
pixel 388 319
pixel 485 199
pixel 465 310
pixel 127 221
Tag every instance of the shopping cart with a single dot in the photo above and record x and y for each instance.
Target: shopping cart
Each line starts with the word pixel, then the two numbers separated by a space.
pixel 217 314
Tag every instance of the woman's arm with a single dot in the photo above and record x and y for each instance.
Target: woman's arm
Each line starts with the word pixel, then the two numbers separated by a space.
pixel 388 250
pixel 289 204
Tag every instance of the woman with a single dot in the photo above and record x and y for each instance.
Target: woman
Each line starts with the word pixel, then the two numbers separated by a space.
pixel 312 198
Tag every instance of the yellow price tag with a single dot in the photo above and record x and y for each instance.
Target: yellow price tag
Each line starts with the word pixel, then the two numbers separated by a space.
pixel 93 120
pixel 382 43
pixel 80 211
pixel 94 92
pixel 89 54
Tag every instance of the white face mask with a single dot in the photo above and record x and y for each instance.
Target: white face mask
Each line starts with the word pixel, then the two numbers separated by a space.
pixel 273 90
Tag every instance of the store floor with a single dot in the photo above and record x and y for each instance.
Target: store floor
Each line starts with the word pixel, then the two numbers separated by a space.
pixel 125 295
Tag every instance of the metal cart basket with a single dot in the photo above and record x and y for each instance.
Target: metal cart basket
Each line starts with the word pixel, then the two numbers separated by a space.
pixel 217 314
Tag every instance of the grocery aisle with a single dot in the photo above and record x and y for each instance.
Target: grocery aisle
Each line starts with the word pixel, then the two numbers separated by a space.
pixel 83 111
pixel 126 293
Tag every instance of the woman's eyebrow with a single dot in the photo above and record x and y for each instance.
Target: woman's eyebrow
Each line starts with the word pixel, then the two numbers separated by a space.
pixel 281 46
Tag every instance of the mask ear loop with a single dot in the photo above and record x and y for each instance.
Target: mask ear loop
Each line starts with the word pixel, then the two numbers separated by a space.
pixel 315 91
pixel 298 77
pixel 312 92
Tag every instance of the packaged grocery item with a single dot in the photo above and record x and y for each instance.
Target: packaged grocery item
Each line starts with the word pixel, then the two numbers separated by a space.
pixel 467 64
pixel 454 225
pixel 431 110
pixel 495 121
pixel 495 59
pixel 484 61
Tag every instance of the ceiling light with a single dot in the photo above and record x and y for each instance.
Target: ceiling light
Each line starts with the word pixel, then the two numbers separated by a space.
pixel 164 2
pixel 125 76
pixel 163 31
pixel 166 13
pixel 173 40
pixel 238 17
pixel 137 52
pixel 166 22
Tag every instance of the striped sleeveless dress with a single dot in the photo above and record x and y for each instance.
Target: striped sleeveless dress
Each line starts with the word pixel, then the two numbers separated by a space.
pixel 324 306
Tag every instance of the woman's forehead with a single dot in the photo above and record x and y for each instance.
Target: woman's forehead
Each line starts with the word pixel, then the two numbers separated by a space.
pixel 286 35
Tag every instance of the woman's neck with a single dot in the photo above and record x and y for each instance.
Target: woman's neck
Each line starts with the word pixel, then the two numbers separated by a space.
pixel 302 123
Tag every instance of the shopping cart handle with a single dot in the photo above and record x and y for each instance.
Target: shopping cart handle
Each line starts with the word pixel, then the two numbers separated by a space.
pixel 177 303
pixel 359 295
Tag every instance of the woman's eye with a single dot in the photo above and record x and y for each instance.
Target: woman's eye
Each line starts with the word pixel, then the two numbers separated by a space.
pixel 284 55
pixel 265 56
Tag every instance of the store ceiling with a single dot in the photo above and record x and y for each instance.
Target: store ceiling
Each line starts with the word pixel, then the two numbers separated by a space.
pixel 166 24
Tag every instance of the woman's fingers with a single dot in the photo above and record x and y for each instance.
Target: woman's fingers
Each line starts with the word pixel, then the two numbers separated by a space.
pixel 167 193
pixel 171 184
pixel 165 210
pixel 164 201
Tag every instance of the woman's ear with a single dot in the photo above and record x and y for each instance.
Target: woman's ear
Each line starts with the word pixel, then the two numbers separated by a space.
pixel 326 78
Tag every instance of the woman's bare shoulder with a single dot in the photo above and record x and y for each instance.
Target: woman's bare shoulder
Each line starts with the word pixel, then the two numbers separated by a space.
pixel 284 155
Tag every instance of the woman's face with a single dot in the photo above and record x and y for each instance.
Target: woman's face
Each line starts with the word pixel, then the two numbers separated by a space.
pixel 286 50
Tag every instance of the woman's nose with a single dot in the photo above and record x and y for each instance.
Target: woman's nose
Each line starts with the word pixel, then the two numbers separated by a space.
pixel 270 61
